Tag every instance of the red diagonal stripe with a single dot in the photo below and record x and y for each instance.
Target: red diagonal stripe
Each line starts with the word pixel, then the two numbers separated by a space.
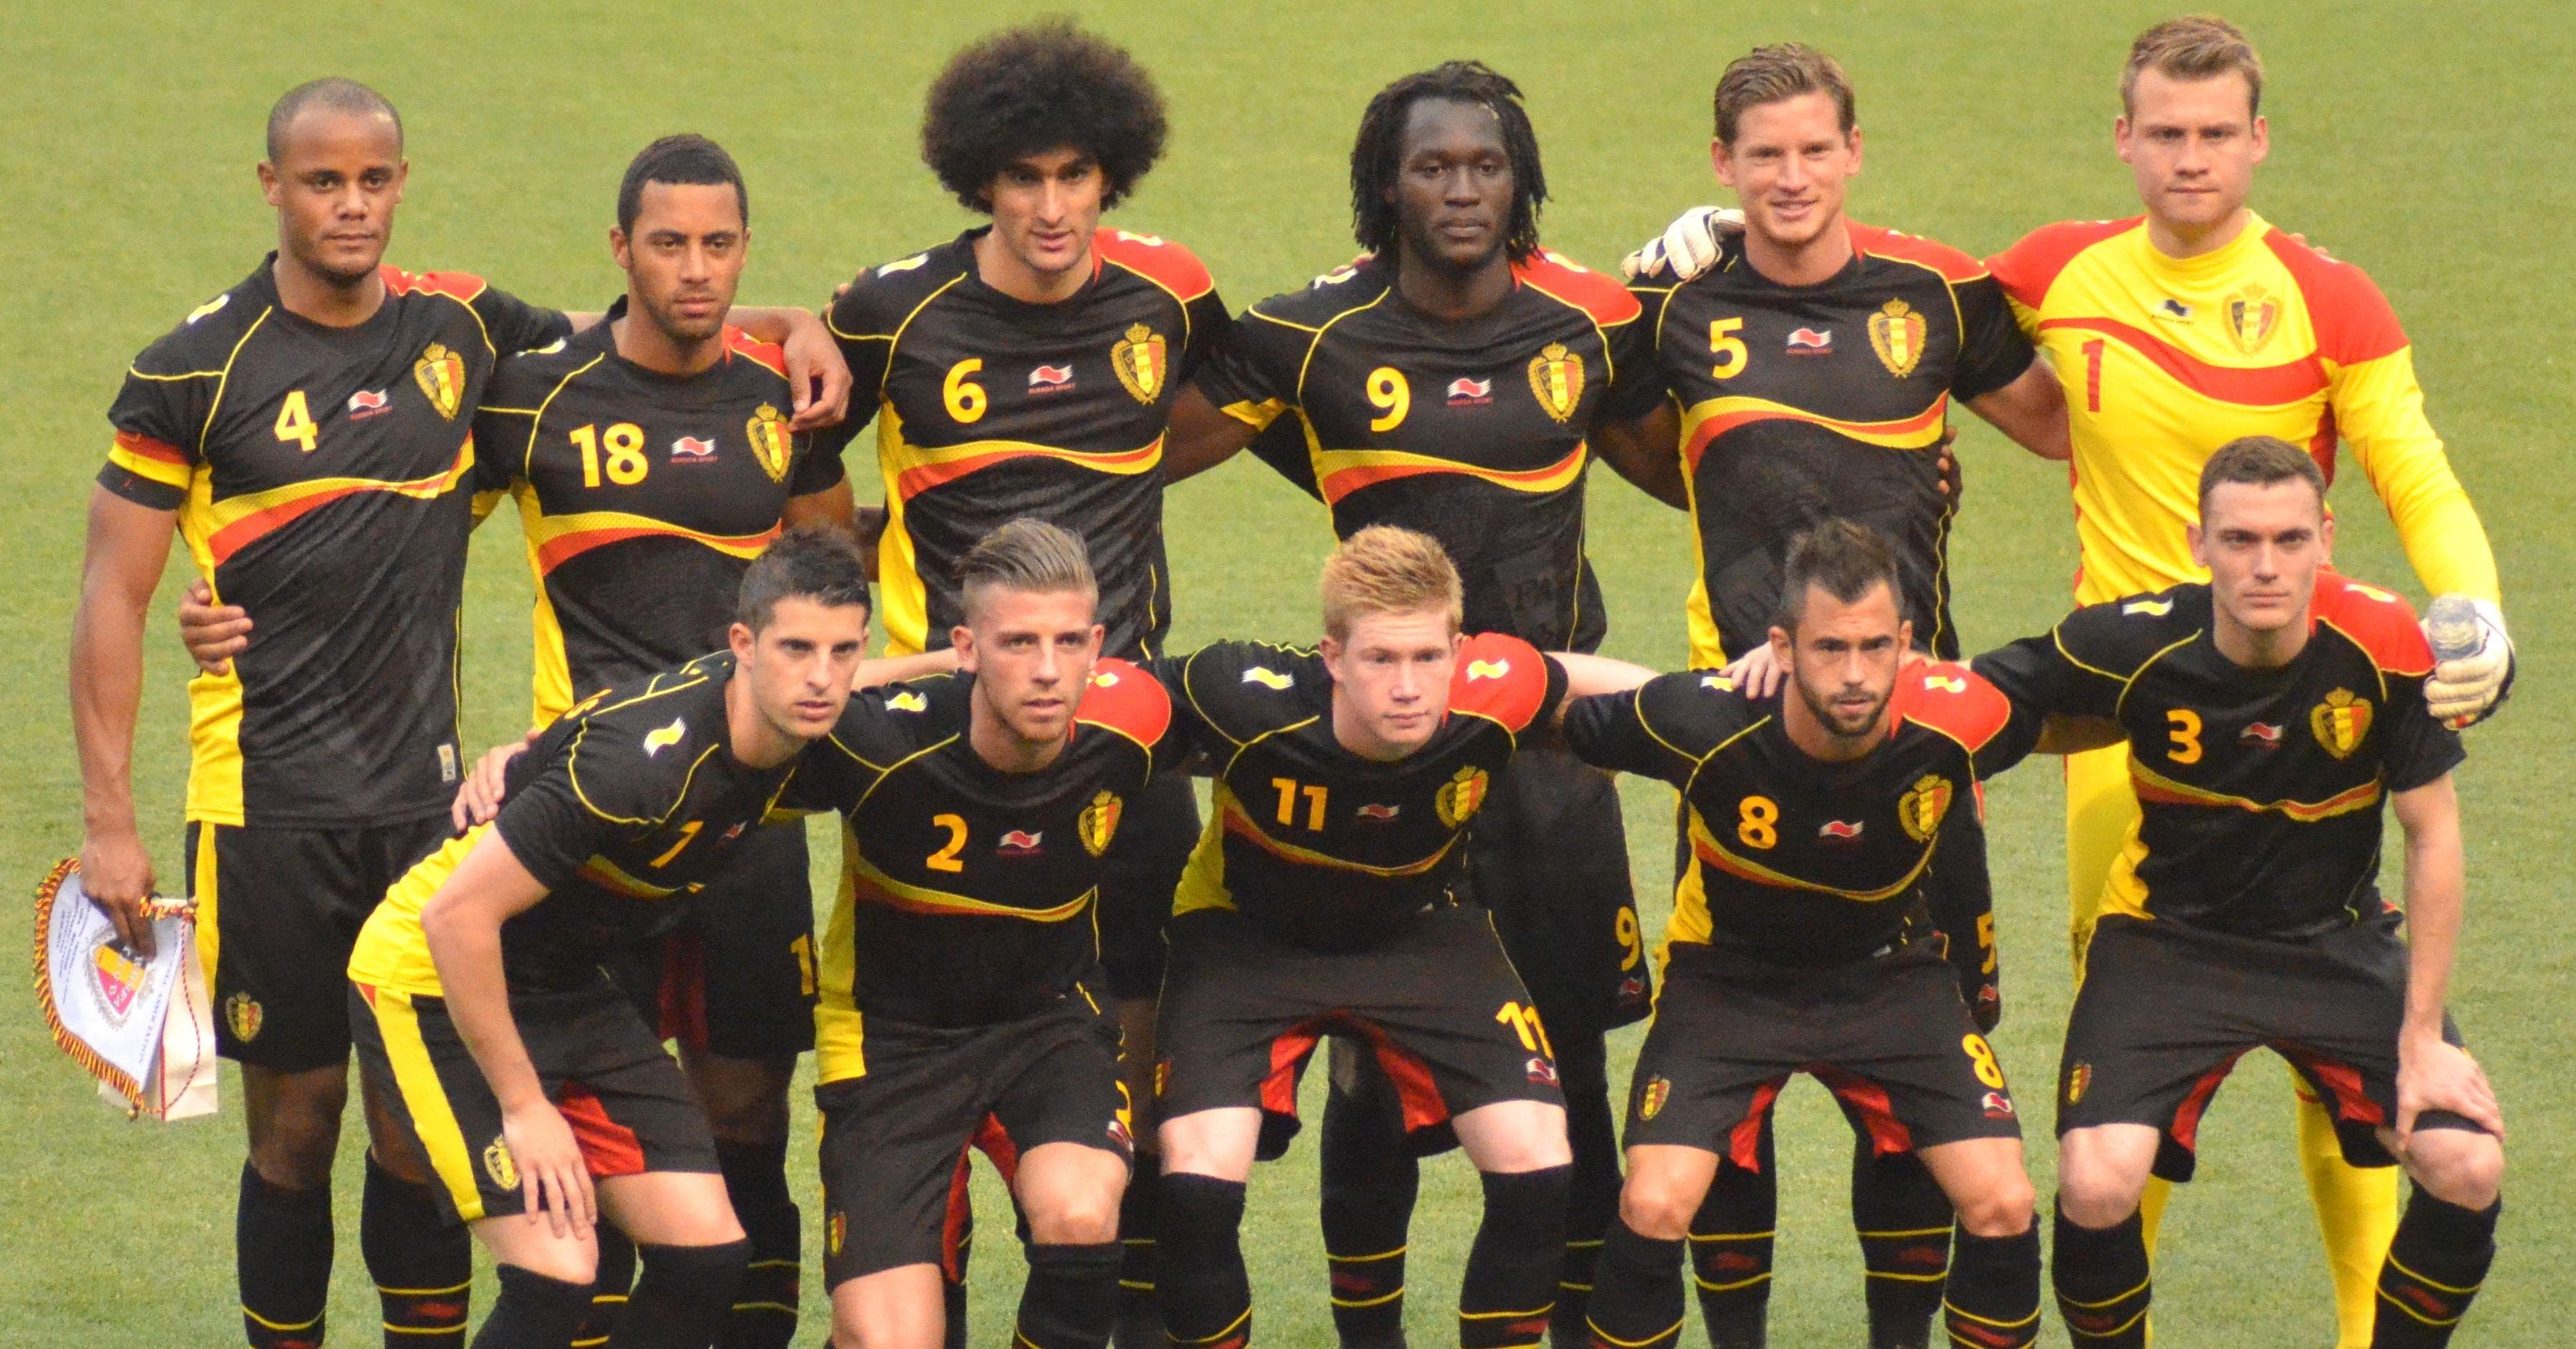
pixel 2246 386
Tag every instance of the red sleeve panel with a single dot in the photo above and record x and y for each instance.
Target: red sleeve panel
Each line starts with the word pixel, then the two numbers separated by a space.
pixel 1501 678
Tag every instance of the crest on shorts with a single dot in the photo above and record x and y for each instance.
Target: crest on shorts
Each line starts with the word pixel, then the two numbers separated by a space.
pixel 1099 822
pixel 441 376
pixel 243 1013
pixel 1556 377
pixel 1162 1077
pixel 1658 1090
pixel 500 1165
pixel 1138 359
pixel 836 1232
pixel 2340 722
pixel 1896 333
pixel 1461 796
pixel 1923 806
pixel 2252 315
pixel 2078 1078
pixel 770 441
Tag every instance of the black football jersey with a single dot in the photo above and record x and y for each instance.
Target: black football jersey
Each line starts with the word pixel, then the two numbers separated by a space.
pixel 1322 847
pixel 1804 403
pixel 323 480
pixel 1794 859
pixel 644 498
pixel 967 892
pixel 1471 432
pixel 989 408
pixel 2259 791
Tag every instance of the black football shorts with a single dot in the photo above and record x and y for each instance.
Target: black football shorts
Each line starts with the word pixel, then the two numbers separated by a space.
pixel 736 977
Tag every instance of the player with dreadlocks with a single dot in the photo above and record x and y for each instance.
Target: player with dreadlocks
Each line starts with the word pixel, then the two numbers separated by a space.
pixel 1027 368
pixel 1446 382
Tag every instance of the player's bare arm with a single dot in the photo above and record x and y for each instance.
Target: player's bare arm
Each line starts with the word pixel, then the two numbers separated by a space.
pixel 1646 451
pixel 1587 675
pixel 2031 411
pixel 1201 437
pixel 2433 1074
pixel 128 545
pixel 462 924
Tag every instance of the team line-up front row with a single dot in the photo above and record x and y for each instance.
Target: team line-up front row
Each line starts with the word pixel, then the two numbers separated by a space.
pixel 1020 828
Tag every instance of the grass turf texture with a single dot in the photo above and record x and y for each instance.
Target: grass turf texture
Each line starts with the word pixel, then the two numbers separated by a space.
pixel 2425 145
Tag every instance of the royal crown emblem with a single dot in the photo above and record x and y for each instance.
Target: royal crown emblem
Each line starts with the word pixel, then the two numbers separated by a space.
pixel 243 1013
pixel 1658 1090
pixel 1099 822
pixel 2252 315
pixel 1556 378
pixel 441 376
pixel 2341 722
pixel 771 442
pixel 1920 811
pixel 500 1165
pixel 1461 796
pixel 1896 333
pixel 1138 359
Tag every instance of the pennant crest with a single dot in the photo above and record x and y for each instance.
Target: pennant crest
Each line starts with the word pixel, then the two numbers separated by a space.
pixel 1921 810
pixel 1461 796
pixel 1556 377
pixel 120 981
pixel 2341 722
pixel 1099 822
pixel 1896 333
pixel 1138 359
pixel 441 376
pixel 770 441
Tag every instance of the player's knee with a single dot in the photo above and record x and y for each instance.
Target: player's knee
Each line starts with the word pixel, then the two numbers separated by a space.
pixel 2002 1208
pixel 2098 1185
pixel 574 1262
pixel 1658 1206
pixel 295 1152
pixel 2458 1166
pixel 1075 1216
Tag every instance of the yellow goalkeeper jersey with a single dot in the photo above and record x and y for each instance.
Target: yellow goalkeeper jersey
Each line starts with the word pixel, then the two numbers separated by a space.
pixel 2166 359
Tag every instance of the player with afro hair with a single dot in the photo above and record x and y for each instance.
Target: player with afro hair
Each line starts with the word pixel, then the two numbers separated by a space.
pixel 1047 86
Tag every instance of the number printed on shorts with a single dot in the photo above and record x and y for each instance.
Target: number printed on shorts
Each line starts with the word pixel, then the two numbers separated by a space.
pixel 1525 1023
pixel 1632 945
pixel 1983 1056
pixel 1757 822
pixel 2185 733
pixel 946 858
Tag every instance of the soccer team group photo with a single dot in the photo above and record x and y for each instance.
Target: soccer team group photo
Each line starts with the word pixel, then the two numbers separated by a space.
pixel 990 788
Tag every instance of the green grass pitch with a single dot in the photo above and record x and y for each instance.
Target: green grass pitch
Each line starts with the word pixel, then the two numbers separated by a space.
pixel 2426 143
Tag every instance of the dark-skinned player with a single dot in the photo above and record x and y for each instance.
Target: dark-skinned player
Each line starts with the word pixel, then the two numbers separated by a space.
pixel 1802 937
pixel 1811 375
pixel 1447 382
pixel 306 433
pixel 543 1101
pixel 1028 367
pixel 2269 713
pixel 1324 900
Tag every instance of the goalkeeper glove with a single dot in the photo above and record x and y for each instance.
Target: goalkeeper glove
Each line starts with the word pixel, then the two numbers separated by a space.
pixel 2472 659
pixel 1689 246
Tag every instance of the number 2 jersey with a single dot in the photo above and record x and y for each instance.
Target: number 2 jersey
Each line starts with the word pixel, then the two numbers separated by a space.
pixel 1472 432
pixel 1794 859
pixel 967 892
pixel 1802 403
pixel 989 408
pixel 643 498
pixel 322 478
pixel 2259 791
pixel 1319 846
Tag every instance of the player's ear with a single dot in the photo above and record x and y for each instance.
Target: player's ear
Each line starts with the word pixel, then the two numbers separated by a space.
pixel 2194 536
pixel 742 639
pixel 402 177
pixel 961 639
pixel 1904 637
pixel 621 248
pixel 1780 644
pixel 271 185
pixel 2325 541
pixel 2120 137
pixel 2262 138
pixel 1721 162
pixel 1852 143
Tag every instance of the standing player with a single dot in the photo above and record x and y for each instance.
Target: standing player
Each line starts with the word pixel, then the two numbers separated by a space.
pixel 1811 376
pixel 1321 901
pixel 1801 935
pixel 1446 382
pixel 2268 711
pixel 1028 368
pixel 512 1061
pixel 962 993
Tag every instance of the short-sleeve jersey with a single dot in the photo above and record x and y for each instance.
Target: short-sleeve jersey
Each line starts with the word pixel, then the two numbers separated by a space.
pixel 1320 846
pixel 967 892
pixel 623 810
pixel 2259 790
pixel 2166 359
pixel 322 481
pixel 1473 432
pixel 989 408
pixel 643 496
pixel 1803 403
pixel 1792 858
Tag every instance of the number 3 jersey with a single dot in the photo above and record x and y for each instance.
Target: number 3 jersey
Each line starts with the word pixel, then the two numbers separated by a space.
pixel 967 892
pixel 643 497
pixel 1321 847
pixel 1794 859
pixel 322 482
pixel 2258 790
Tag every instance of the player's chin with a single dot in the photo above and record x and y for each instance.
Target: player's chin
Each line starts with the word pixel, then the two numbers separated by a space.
pixel 1408 732
pixel 1043 720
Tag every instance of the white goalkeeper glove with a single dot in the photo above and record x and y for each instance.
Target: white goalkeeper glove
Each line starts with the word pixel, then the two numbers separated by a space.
pixel 2472 659
pixel 1689 246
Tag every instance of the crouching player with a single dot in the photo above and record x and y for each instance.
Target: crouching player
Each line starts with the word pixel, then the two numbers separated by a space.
pixel 1801 937
pixel 538 1094
pixel 2267 713
pixel 1320 902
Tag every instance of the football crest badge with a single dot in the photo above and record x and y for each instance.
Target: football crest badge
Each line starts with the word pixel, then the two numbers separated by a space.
pixel 1556 378
pixel 500 1165
pixel 1138 359
pixel 1896 333
pixel 1461 796
pixel 243 1013
pixel 1651 1102
pixel 2341 722
pixel 770 441
pixel 441 376
pixel 2252 315
pixel 2078 1078
pixel 1923 807
pixel 1099 822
